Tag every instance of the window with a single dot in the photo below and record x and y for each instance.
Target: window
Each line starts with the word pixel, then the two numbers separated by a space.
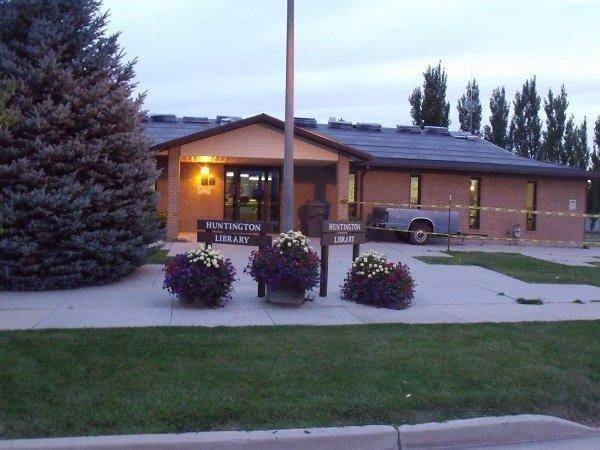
pixel 352 210
pixel 530 205
pixel 415 191
pixel 474 203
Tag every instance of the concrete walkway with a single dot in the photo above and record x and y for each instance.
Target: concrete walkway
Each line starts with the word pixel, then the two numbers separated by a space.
pixel 505 432
pixel 444 294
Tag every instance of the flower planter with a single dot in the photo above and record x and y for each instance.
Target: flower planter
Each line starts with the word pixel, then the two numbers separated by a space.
pixel 288 267
pixel 285 296
pixel 209 302
pixel 202 277
pixel 373 280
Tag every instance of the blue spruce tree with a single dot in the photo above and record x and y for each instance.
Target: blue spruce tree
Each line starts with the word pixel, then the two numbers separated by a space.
pixel 76 175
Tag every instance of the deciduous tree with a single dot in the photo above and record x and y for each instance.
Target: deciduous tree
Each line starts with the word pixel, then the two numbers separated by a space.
pixel 576 151
pixel 497 131
pixel 525 126
pixel 555 108
pixel 594 191
pixel 469 109
pixel 429 106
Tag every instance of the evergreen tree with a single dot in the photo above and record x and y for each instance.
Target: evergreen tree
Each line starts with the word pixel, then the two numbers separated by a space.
pixel 525 126
pixel 556 116
pixel 5 92
pixel 594 189
pixel 429 106
pixel 497 131
pixel 469 109
pixel 76 174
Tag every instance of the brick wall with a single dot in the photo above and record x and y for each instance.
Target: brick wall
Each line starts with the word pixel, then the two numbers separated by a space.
pixel 162 188
pixel 496 191
pixel 193 206
pixel 306 180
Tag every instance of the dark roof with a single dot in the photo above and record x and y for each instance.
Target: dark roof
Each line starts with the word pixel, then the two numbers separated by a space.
pixel 385 148
pixel 452 151
pixel 170 134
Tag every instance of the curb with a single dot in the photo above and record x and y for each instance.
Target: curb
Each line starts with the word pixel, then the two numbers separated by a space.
pixel 484 431
pixel 384 437
pixel 492 431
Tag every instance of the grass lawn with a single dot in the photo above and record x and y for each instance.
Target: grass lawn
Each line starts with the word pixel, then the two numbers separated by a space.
pixel 522 267
pixel 158 257
pixel 157 380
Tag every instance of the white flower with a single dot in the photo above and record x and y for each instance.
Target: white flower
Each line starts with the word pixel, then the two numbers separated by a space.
pixel 369 276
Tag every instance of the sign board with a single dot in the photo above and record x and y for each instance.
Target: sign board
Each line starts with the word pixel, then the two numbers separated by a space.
pixel 572 205
pixel 343 239
pixel 235 233
pixel 338 233
pixel 343 227
pixel 232 227
pixel 256 240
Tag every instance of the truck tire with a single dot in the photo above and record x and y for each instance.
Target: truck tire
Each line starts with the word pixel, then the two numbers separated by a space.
pixel 419 233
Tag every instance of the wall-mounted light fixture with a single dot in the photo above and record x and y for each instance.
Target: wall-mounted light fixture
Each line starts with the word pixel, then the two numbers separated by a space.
pixel 205 179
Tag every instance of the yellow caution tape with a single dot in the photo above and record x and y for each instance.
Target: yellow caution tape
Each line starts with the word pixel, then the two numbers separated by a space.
pixel 480 208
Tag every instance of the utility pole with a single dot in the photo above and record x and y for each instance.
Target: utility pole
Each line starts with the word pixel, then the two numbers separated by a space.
pixel 288 151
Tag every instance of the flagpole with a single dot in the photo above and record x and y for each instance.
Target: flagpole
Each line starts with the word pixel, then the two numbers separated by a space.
pixel 288 153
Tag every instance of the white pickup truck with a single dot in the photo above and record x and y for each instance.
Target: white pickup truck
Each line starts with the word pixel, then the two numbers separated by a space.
pixel 418 223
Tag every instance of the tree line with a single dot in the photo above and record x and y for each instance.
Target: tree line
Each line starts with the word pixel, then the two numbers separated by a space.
pixel 560 141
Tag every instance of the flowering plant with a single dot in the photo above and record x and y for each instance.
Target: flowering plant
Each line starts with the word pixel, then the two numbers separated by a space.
pixel 200 277
pixel 373 280
pixel 288 263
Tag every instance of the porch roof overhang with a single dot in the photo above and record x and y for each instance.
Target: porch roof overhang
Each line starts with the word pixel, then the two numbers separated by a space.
pixel 270 121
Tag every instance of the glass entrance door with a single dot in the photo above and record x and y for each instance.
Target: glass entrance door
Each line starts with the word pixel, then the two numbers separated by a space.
pixel 252 194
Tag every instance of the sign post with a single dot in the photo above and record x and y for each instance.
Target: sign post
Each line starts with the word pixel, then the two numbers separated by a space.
pixel 338 233
pixel 235 233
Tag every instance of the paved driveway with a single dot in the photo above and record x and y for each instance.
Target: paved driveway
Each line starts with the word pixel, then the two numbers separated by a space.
pixel 443 294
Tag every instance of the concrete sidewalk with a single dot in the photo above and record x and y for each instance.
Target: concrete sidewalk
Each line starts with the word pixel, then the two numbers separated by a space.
pixel 513 432
pixel 444 294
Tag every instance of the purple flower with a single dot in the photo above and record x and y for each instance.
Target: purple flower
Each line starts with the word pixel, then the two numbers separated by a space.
pixel 194 278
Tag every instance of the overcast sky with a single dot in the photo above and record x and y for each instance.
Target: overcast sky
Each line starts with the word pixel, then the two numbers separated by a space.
pixel 355 59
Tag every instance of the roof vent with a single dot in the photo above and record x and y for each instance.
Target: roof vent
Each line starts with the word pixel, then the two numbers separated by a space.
pixel 409 129
pixel 188 119
pixel 464 135
pixel 163 118
pixel 440 131
pixel 305 122
pixel 340 124
pixel 368 126
pixel 227 119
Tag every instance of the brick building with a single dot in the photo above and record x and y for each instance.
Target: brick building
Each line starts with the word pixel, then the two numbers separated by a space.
pixel 230 168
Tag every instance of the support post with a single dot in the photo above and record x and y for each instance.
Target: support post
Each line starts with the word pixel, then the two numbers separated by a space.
pixel 324 270
pixel 173 180
pixel 355 251
pixel 261 286
pixel 449 210
pixel 342 173
pixel 288 151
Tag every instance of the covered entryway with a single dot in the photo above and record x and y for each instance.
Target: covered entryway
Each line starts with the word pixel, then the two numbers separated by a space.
pixel 253 194
pixel 233 172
